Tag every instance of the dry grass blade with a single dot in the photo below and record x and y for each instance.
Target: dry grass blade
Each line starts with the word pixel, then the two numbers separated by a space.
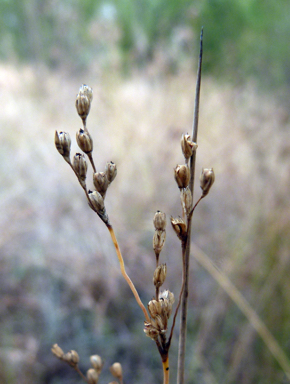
pixel 245 307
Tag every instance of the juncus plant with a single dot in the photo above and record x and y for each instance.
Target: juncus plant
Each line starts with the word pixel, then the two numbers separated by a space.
pixel 160 308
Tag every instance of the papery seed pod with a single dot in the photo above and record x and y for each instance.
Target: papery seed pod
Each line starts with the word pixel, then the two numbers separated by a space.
pixel 87 91
pixel 182 175
pixel 179 227
pixel 72 358
pixel 111 171
pixel 62 142
pixel 160 323
pixel 167 295
pixel 80 167
pixel 158 241
pixel 85 141
pixel 101 182
pixel 57 351
pixel 186 199
pixel 159 275
pixel 154 308
pixel 83 106
pixel 166 307
pixel 116 370
pixel 159 220
pixel 98 205
pixel 188 147
pixel 97 363
pixel 150 331
pixel 92 376
pixel 207 178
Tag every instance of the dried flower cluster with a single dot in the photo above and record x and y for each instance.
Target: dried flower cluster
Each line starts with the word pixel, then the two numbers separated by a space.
pixel 160 307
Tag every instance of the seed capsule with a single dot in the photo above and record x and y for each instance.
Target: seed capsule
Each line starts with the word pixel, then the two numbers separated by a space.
pixel 92 376
pixel 158 240
pixel 62 142
pixel 111 171
pixel 116 370
pixel 72 358
pixel 182 175
pixel 154 308
pixel 80 167
pixel 84 140
pixel 83 101
pixel 57 351
pixel 101 182
pixel 207 178
pixel 179 227
pixel 187 146
pixel 159 275
pixel 159 220
pixel 186 199
pixel 97 363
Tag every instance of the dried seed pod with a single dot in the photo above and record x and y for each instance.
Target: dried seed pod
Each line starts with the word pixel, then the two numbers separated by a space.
pixel 158 240
pixel 57 351
pixel 154 308
pixel 116 370
pixel 101 182
pixel 207 178
pixel 186 200
pixel 92 376
pixel 159 220
pixel 188 147
pixel 111 171
pixel 159 275
pixel 167 295
pixel 179 227
pixel 80 167
pixel 62 142
pixel 83 101
pixel 182 175
pixel 97 363
pixel 98 205
pixel 72 358
pixel 160 323
pixel 84 140
pixel 151 331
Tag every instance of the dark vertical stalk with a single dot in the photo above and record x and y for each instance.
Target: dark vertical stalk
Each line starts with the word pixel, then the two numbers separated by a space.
pixel 183 314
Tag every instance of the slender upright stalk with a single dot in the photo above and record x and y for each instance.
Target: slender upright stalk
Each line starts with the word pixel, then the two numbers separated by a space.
pixel 183 313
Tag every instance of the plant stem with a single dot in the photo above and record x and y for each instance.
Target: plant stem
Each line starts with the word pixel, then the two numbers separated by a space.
pixel 183 314
pixel 165 365
pixel 124 273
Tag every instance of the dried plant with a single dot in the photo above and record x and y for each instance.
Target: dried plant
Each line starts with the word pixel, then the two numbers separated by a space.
pixel 160 307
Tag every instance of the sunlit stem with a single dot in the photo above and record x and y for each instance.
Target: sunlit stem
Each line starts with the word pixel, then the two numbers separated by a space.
pixel 124 273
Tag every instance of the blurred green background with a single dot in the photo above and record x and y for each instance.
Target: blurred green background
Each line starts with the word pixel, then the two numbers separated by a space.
pixel 59 276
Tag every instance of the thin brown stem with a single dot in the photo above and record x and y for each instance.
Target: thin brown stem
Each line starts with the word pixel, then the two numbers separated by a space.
pixel 124 273
pixel 90 156
pixel 183 314
pixel 80 373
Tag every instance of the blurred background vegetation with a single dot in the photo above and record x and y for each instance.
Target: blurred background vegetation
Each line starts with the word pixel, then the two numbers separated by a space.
pixel 59 277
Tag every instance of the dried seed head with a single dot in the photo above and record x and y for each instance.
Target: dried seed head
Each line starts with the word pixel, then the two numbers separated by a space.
pixel 186 199
pixel 72 358
pixel 188 147
pixel 151 331
pixel 158 240
pixel 97 363
pixel 159 220
pixel 85 141
pixel 92 376
pixel 101 182
pixel 116 370
pixel 207 178
pixel 159 275
pixel 98 205
pixel 80 167
pixel 182 175
pixel 154 308
pixel 62 142
pixel 179 227
pixel 57 351
pixel 167 295
pixel 111 171
pixel 160 323
pixel 83 101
